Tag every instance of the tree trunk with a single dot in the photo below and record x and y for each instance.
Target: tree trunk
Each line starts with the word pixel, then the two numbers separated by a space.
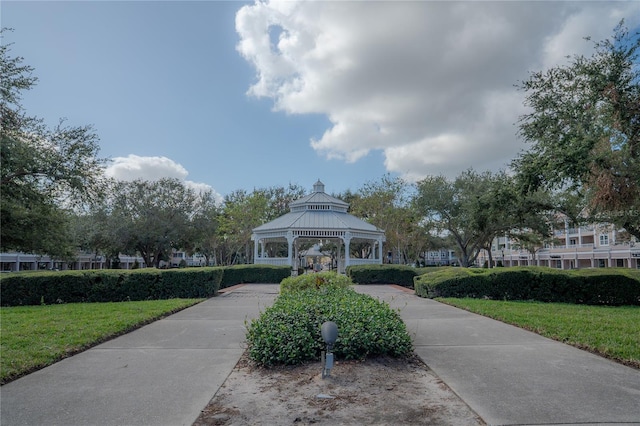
pixel 490 264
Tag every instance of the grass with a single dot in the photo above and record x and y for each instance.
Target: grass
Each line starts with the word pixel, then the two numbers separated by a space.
pixel 32 337
pixel 612 332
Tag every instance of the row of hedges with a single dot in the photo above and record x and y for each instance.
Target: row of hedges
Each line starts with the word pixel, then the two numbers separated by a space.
pixel 108 285
pixel 382 274
pixel 610 286
pixel 246 274
pixel 117 285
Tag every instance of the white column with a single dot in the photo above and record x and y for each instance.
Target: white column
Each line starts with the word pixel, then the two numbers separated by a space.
pixel 256 241
pixel 380 250
pixel 347 241
pixel 579 236
pixel 290 248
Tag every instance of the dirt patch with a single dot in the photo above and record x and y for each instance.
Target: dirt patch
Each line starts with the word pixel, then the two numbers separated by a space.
pixel 378 391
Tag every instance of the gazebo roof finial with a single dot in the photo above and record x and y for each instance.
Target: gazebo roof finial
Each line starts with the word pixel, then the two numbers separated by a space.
pixel 318 186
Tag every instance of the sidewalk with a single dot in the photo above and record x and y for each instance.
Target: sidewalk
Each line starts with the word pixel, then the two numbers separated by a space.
pixel 161 374
pixel 510 376
pixel 167 371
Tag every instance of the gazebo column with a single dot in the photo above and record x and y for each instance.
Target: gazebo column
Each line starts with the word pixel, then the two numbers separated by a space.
pixel 347 242
pixel 290 240
pixel 296 257
pixel 380 249
pixel 255 247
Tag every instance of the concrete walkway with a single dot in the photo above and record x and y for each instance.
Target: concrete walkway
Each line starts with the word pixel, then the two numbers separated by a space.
pixel 166 372
pixel 161 374
pixel 510 376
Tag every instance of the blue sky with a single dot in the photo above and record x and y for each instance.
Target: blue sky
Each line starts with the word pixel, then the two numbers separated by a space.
pixel 241 95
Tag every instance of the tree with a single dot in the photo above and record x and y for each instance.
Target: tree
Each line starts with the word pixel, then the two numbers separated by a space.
pixel 205 223
pixel 279 198
pixel 153 217
pixel 386 204
pixel 42 169
pixel 241 213
pixel 584 127
pixel 100 232
pixel 474 209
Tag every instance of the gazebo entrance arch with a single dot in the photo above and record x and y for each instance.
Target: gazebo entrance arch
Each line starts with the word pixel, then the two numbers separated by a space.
pixel 317 217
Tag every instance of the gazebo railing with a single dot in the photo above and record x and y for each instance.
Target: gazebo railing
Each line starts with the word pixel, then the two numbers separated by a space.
pixel 278 261
pixel 357 261
pixel 284 261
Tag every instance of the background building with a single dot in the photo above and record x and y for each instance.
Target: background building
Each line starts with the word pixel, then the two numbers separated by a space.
pixel 590 246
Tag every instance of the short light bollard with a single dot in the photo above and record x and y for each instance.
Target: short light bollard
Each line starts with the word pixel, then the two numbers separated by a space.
pixel 329 331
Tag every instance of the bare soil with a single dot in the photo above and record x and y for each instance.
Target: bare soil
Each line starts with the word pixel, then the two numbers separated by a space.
pixel 378 391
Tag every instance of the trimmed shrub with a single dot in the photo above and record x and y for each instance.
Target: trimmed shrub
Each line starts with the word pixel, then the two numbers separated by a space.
pixel 330 280
pixel 611 286
pixel 606 286
pixel 190 283
pixel 114 285
pixel 288 332
pixel 141 284
pixel 382 274
pixel 244 274
pixel 37 288
pixel 452 282
pixel 105 286
pixel 509 284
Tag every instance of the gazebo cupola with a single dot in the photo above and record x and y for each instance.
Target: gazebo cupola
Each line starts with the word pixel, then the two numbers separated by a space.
pixel 317 216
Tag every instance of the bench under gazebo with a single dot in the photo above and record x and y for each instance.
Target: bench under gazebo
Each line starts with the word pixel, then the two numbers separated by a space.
pixel 317 218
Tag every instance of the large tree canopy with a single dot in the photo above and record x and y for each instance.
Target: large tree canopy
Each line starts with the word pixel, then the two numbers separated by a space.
pixel 457 209
pixel 475 208
pixel 386 203
pixel 584 130
pixel 42 169
pixel 154 217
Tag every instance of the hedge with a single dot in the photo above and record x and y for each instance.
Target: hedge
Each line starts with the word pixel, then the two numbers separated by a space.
pixel 244 274
pixel 114 285
pixel 382 274
pixel 288 332
pixel 611 286
pixel 330 280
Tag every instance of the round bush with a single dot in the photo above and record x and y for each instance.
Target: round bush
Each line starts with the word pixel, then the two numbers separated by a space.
pixel 289 331
pixel 314 281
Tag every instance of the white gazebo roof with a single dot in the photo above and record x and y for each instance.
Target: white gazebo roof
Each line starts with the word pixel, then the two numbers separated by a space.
pixel 318 211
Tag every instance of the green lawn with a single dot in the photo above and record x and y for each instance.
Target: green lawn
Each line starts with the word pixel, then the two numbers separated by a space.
pixel 32 337
pixel 613 332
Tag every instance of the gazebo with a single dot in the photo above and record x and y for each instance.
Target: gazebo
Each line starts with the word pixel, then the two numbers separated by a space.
pixel 317 218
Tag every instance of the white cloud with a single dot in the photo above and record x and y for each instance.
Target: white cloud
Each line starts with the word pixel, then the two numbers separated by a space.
pixel 135 167
pixel 431 84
